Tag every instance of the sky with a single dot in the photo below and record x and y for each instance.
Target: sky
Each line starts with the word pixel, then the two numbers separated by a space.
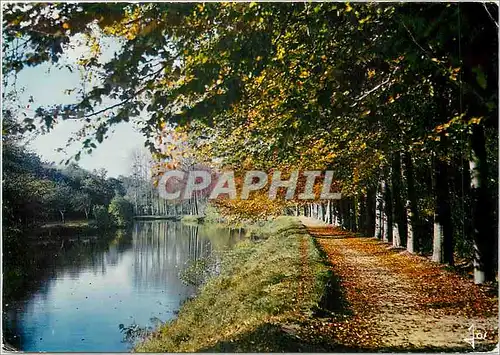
pixel 46 84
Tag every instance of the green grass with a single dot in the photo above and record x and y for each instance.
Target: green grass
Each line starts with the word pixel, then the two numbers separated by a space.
pixel 245 307
pixel 80 226
pixel 76 223
pixel 156 218
pixel 188 219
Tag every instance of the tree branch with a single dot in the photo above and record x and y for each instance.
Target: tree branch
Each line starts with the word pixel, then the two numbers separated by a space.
pixel 441 67
pixel 489 14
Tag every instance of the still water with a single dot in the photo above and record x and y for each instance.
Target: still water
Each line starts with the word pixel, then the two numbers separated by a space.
pixel 73 296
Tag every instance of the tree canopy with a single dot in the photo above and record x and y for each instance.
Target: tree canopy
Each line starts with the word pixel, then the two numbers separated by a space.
pixel 396 98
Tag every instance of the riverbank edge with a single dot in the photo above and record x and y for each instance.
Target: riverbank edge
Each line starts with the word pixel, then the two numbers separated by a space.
pixel 266 288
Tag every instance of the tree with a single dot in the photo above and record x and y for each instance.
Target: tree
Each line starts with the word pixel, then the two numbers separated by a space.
pixel 117 186
pixel 59 198
pixel 102 218
pixel 121 211
pixel 315 86
pixel 81 201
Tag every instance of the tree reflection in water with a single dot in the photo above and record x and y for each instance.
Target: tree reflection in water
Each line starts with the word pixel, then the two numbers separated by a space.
pixel 131 274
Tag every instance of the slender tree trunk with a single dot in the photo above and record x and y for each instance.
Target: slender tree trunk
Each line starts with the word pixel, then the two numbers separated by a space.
pixel 339 218
pixel 357 214
pixel 195 201
pixel 362 214
pixel 352 214
pixel 344 214
pixel 333 218
pixel 437 241
pixel 370 212
pixel 387 214
pixel 414 242
pixel 342 218
pixel 410 241
pixel 379 209
pixel 400 218
pixel 136 207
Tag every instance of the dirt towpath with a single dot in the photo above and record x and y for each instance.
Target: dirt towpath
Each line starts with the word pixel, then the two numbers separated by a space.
pixel 393 300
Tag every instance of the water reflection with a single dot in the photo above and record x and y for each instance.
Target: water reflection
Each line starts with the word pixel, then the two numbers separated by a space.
pixel 72 296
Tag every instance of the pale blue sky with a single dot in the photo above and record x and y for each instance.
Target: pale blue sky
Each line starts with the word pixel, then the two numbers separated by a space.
pixel 47 87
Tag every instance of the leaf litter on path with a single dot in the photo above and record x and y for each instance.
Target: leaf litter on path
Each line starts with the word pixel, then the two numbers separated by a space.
pixel 400 301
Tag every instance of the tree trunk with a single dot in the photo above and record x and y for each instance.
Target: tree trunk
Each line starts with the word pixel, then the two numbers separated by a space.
pixel 485 237
pixel 362 214
pixel 339 218
pixel 379 209
pixel 399 214
pixel 444 227
pixel 410 241
pixel 333 212
pixel 352 214
pixel 387 214
pixel 344 214
pixel 358 213
pixel 414 242
pixel 437 241
pixel 370 212
pixel 195 201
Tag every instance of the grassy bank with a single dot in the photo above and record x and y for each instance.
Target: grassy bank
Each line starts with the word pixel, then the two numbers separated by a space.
pixel 189 219
pixel 156 218
pixel 263 292
pixel 53 231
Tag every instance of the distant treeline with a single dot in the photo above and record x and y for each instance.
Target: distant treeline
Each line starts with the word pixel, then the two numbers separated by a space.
pixel 36 192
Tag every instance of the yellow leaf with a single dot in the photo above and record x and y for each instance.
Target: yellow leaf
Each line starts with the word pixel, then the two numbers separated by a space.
pixel 365 19
pixel 304 74
pixel 475 120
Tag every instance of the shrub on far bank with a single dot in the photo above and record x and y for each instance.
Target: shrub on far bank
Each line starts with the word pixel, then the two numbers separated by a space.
pixel 121 211
pixel 102 218
pixel 192 219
